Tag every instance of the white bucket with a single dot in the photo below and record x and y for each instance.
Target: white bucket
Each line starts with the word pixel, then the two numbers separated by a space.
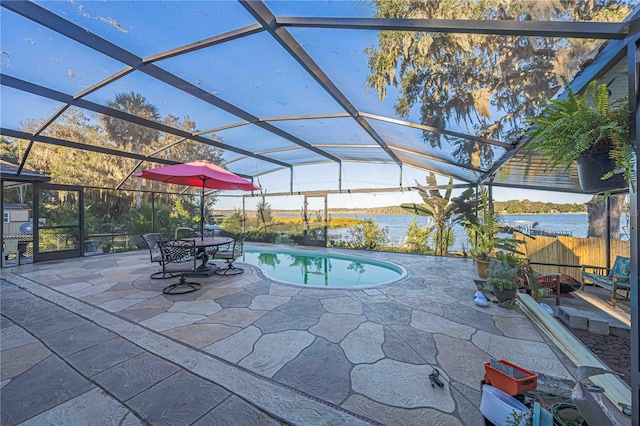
pixel 499 407
pixel 548 309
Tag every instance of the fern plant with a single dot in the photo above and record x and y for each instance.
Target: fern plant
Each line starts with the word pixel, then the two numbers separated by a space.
pixel 570 127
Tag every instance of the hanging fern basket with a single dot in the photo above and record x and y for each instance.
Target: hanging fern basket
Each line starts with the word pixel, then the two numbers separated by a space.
pixel 592 166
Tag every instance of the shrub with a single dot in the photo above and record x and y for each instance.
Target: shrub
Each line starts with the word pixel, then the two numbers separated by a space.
pixel 232 223
pixel 417 236
pixel 368 235
pixel 261 237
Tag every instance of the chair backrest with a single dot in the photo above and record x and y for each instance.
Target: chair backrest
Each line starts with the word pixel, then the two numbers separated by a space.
pixel 152 239
pixel 621 267
pixel 238 243
pixel 185 232
pixel 177 251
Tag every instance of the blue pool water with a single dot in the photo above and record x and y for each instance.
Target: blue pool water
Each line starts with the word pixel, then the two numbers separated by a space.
pixel 314 269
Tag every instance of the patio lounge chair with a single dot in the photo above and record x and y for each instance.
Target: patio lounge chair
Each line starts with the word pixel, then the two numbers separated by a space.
pixel 617 278
pixel 230 254
pixel 152 239
pixel 179 258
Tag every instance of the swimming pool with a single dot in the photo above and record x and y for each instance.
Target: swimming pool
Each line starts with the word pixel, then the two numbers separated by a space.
pixel 315 269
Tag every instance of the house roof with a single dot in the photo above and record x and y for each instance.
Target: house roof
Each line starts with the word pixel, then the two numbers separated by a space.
pixel 16 207
pixel 9 174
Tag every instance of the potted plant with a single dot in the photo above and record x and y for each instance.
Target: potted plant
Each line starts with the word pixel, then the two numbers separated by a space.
pixel 503 279
pixel 483 229
pixel 593 134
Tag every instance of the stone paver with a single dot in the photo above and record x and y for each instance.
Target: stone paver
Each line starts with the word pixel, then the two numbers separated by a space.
pixel 266 360
pixel 268 302
pixel 342 305
pixel 364 344
pixel 13 337
pixel 530 355
pixel 201 335
pixel 236 317
pixel 394 383
pixel 393 415
pixel 235 411
pixel 236 347
pixel 435 324
pixel 42 387
pixel 335 327
pixel 456 356
pixel 171 320
pixel 181 397
pixel 328 380
pixel 246 350
pixel 76 339
pixel 84 409
pixel 105 355
pixel 20 359
pixel 196 307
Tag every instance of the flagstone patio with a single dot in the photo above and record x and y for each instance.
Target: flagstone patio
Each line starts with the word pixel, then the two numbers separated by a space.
pixel 248 350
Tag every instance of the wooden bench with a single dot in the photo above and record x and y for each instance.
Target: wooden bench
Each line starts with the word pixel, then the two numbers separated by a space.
pixel 616 279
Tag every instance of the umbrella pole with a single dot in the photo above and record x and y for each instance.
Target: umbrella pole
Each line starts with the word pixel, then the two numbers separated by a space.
pixel 202 214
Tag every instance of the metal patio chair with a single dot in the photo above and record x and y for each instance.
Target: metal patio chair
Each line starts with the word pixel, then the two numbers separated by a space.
pixel 230 254
pixel 179 258
pixel 152 239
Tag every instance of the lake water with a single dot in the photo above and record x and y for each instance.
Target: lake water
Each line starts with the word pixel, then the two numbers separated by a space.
pixel 576 224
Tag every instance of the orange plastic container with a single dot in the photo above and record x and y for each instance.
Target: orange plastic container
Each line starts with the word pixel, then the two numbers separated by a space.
pixel 522 380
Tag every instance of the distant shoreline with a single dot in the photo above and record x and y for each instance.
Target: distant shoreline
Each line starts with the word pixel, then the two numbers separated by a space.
pixel 366 211
pixel 516 207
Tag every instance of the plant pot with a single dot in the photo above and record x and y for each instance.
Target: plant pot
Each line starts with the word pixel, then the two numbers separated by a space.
pixel 499 407
pixel 481 268
pixel 592 166
pixel 566 414
pixel 504 295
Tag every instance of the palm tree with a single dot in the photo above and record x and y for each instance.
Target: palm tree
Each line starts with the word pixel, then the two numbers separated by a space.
pixel 445 211
pixel 127 135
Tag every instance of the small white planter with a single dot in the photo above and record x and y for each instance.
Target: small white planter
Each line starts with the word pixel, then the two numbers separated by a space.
pixel 499 407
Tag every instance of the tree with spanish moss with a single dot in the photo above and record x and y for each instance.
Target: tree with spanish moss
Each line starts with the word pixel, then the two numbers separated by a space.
pixel 486 84
pixel 483 83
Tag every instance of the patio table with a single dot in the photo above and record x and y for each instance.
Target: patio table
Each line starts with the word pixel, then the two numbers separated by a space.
pixel 204 269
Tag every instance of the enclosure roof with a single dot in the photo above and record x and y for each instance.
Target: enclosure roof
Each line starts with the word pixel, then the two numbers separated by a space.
pixel 275 85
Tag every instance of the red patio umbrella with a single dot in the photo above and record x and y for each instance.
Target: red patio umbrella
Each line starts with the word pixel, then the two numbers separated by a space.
pixel 199 173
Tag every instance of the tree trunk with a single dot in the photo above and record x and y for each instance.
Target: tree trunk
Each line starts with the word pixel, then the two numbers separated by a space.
pixel 597 214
